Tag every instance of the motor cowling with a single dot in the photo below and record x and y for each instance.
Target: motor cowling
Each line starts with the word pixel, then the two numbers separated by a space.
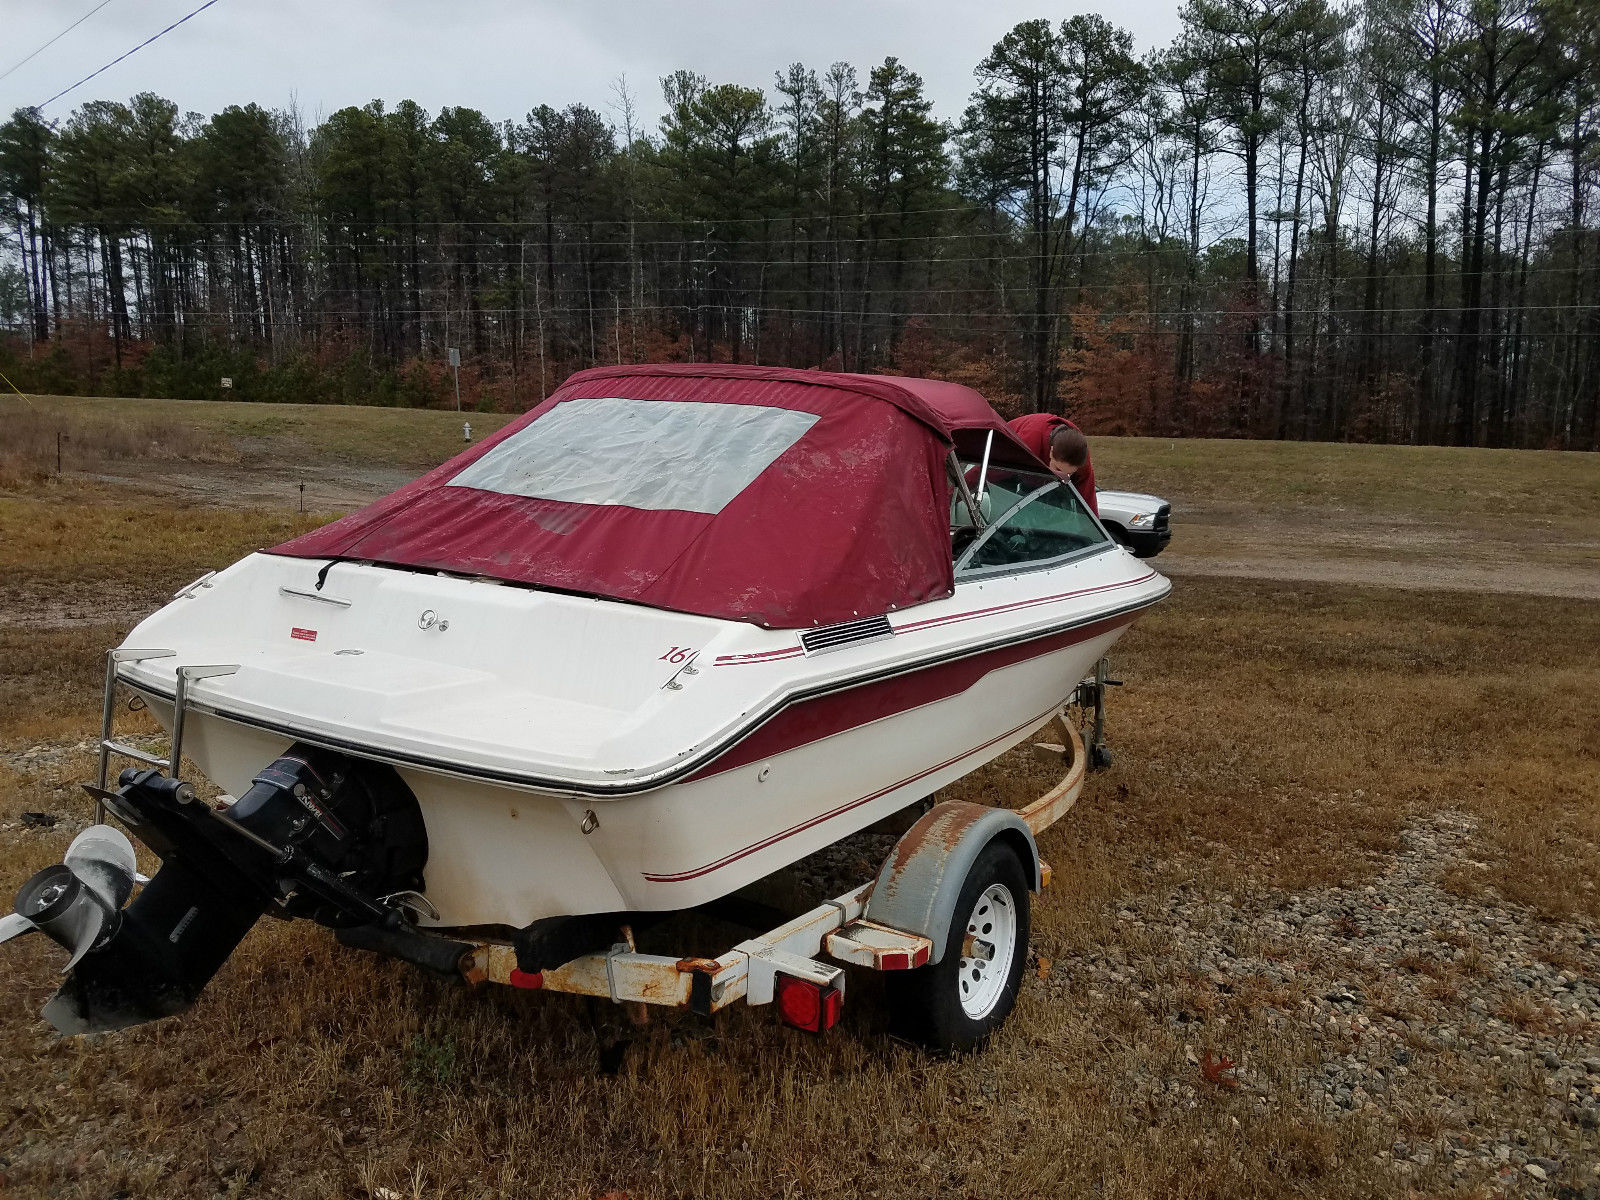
pixel 355 817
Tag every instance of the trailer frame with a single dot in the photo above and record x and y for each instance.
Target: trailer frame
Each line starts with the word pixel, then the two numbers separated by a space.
pixel 840 929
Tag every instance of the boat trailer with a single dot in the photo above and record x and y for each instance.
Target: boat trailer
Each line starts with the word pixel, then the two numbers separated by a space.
pixel 782 964
pixel 905 921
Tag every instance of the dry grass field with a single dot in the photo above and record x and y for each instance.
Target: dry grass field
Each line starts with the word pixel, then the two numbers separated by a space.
pixel 1329 926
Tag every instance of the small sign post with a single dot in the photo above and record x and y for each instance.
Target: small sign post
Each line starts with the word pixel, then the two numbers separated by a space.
pixel 455 369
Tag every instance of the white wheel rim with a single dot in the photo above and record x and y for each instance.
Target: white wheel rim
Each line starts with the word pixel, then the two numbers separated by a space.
pixel 987 950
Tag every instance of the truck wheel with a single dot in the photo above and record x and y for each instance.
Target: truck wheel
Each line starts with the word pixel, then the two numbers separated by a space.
pixel 954 1005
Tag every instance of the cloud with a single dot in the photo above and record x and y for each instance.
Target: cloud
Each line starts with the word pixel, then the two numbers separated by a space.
pixel 503 56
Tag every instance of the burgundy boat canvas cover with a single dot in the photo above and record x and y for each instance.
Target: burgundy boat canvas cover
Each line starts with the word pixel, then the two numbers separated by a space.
pixel 782 497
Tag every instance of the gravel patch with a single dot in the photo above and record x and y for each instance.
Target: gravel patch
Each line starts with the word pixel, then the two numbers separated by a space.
pixel 50 756
pixel 1469 1027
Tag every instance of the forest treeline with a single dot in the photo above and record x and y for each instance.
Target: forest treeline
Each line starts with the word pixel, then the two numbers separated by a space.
pixel 1302 219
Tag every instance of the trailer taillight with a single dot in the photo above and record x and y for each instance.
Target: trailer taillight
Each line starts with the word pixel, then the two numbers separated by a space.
pixel 807 1005
pixel 526 979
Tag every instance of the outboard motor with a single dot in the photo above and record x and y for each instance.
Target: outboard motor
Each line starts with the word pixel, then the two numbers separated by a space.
pixel 318 835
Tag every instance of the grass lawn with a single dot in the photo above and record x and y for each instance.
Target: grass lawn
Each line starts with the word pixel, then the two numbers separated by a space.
pixel 1280 747
pixel 410 438
pixel 1421 481
pixel 1427 481
pixel 1270 737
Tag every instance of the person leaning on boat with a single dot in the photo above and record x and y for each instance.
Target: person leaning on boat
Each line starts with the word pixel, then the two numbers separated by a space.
pixel 1057 441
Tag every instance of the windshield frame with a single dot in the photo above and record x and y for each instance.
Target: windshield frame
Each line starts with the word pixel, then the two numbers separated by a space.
pixel 964 573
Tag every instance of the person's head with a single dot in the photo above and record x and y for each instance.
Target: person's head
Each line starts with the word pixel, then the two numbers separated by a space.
pixel 1069 450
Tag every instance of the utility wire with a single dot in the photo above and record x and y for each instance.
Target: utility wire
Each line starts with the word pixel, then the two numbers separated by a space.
pixel 890 314
pixel 55 39
pixel 977 288
pixel 129 54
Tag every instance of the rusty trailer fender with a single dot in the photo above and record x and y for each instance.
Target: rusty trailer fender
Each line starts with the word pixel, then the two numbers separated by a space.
pixel 920 881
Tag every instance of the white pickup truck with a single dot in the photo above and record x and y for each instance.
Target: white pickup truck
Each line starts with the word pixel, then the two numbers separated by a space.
pixel 1141 523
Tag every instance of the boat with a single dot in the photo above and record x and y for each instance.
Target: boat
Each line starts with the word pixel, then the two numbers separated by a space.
pixel 670 631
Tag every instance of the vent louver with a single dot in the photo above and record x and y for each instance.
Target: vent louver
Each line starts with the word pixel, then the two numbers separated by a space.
pixel 849 633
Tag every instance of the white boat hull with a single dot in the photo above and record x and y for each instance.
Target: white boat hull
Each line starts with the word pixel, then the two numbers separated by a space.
pixel 875 727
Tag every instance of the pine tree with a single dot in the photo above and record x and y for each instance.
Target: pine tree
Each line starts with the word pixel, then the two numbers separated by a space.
pixel 26 148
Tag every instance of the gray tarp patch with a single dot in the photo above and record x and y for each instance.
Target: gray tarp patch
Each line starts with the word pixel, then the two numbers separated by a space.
pixel 682 455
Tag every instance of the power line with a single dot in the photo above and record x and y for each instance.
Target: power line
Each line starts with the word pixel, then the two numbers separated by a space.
pixel 129 54
pixel 663 246
pixel 55 39
pixel 378 312
pixel 214 320
pixel 976 289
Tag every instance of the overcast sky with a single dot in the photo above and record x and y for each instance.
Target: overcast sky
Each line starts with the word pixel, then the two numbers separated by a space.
pixel 500 56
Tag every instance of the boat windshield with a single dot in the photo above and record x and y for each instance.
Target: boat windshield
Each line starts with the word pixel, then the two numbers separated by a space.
pixel 1034 520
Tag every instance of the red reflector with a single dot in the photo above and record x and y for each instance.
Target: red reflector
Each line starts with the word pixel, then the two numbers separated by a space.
pixel 807 1005
pixel 522 979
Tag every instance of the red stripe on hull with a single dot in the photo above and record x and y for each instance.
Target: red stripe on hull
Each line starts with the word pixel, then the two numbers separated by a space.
pixel 812 720
pixel 683 876
pixel 955 618
pixel 765 656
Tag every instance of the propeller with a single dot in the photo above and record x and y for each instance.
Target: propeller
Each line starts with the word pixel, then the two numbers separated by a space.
pixel 78 903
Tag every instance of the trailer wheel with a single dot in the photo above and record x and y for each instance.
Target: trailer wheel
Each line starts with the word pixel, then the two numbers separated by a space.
pixel 955 1004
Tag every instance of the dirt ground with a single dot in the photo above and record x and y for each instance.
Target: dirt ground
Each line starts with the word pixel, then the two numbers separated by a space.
pixel 1549 554
pixel 1329 926
pixel 1521 522
pixel 1311 544
pixel 1471 553
pixel 1213 537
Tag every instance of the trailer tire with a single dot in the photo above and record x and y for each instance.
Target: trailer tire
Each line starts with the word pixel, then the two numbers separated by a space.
pixel 953 1005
